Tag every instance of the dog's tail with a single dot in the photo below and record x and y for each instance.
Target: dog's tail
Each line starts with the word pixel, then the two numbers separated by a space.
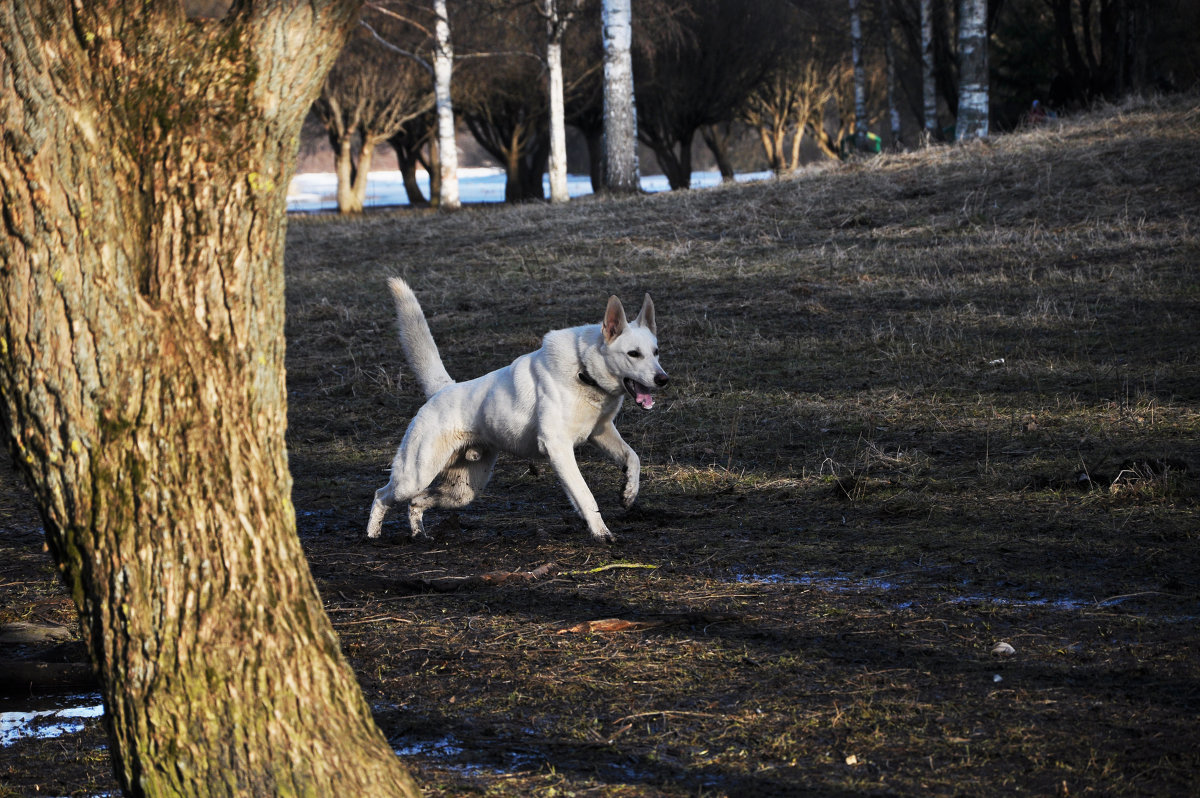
pixel 419 348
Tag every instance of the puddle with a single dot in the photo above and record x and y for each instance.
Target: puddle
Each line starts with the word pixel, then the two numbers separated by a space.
pixel 852 585
pixel 47 723
pixel 829 584
pixel 447 749
pixel 1064 604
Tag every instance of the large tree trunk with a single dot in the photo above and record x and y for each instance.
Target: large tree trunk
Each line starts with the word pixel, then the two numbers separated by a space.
pixel 972 71
pixel 144 167
pixel 620 116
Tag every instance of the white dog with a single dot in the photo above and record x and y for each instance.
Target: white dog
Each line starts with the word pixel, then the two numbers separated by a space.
pixel 541 406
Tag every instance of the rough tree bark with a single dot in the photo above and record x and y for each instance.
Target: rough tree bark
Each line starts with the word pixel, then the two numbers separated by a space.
pixel 143 168
pixel 620 115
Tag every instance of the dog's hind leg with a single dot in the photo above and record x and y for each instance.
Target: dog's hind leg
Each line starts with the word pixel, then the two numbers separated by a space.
pixel 385 497
pixel 419 460
pixel 460 483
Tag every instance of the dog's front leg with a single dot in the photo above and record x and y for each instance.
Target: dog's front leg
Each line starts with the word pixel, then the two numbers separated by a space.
pixel 608 440
pixel 561 455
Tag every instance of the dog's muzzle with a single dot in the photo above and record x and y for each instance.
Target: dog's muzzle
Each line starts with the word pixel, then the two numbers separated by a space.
pixel 643 395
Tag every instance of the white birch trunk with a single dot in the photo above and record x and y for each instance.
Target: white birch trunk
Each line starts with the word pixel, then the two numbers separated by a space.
pixel 928 83
pixel 558 127
pixel 860 78
pixel 443 68
pixel 972 71
pixel 620 115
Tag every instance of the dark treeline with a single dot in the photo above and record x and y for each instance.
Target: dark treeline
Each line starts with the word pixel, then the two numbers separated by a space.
pixel 720 71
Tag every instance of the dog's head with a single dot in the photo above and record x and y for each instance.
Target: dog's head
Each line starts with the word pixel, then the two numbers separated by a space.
pixel 631 350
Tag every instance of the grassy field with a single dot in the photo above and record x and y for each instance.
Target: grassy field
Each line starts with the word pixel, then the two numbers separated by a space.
pixel 920 405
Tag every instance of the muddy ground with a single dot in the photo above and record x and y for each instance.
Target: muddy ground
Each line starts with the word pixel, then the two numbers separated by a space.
pixel 921 406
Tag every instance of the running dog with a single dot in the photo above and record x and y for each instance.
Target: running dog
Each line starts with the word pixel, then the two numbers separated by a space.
pixel 540 407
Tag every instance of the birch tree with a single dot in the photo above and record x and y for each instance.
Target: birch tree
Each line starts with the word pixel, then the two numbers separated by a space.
pixel 972 70
pixel 447 144
pixel 928 75
pixel 556 30
pixel 144 166
pixel 620 115
pixel 859 72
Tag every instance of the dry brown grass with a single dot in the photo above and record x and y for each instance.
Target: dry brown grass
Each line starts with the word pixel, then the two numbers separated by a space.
pixel 921 404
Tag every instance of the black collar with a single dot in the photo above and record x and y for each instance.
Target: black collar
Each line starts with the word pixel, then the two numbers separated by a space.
pixel 586 379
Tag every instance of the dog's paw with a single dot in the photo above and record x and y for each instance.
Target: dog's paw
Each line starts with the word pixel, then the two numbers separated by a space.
pixel 629 495
pixel 604 536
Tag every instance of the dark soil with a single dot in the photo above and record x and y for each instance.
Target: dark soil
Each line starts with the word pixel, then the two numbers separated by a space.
pixel 921 405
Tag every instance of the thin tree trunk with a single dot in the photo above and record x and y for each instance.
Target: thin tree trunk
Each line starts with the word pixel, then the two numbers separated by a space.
pixel 889 50
pixel 142 385
pixel 928 76
pixel 412 189
pixel 434 172
pixel 343 167
pixel 771 144
pixel 620 115
pixel 793 161
pixel 973 71
pixel 558 127
pixel 366 154
pixel 860 78
pixel 717 142
pixel 595 148
pixel 447 146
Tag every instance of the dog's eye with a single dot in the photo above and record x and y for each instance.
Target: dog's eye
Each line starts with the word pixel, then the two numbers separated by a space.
pixel 634 353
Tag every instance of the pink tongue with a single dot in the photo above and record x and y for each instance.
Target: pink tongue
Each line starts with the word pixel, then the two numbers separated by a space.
pixel 644 399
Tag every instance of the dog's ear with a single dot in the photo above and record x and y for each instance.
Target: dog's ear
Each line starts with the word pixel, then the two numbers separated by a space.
pixel 614 320
pixel 645 318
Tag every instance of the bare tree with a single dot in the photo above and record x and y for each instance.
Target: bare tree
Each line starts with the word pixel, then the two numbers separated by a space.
pixel 703 77
pixel 416 145
pixel 144 167
pixel 501 93
pixel 371 93
pixel 785 106
pixel 972 70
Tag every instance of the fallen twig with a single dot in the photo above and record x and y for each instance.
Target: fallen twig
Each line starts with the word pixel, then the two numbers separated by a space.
pixel 609 625
pixel 609 567
pixel 452 583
